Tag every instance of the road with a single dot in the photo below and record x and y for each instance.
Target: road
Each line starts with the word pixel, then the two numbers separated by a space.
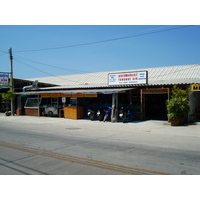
pixel 42 145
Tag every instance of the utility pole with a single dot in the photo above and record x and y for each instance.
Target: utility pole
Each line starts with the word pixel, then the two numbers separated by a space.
pixel 11 80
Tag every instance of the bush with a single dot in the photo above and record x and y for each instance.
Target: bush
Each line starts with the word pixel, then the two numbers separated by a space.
pixel 178 105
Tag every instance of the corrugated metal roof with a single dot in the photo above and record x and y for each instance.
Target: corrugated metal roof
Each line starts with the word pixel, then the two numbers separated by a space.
pixel 184 74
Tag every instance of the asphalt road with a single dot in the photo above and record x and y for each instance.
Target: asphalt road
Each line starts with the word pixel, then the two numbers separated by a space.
pixel 42 145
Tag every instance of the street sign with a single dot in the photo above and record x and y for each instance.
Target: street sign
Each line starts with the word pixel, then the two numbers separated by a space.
pixel 4 79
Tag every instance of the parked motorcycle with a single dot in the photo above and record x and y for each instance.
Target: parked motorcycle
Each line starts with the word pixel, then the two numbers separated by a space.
pixel 126 114
pixel 92 114
pixel 100 113
pixel 107 111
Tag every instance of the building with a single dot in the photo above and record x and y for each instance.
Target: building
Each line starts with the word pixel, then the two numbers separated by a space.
pixel 148 98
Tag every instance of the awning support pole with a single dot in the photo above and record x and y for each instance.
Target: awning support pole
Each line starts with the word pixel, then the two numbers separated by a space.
pixel 38 105
pixel 114 113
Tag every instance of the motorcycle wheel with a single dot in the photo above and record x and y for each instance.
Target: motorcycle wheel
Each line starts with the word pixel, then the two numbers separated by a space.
pixel 124 119
pixel 100 117
pixel 92 117
pixel 50 114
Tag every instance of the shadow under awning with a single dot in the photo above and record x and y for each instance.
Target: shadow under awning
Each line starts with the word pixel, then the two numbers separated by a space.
pixel 85 91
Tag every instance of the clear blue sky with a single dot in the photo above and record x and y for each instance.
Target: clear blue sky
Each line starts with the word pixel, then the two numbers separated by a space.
pixel 95 48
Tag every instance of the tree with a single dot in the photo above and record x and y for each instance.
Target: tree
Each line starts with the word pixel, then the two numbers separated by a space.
pixel 7 97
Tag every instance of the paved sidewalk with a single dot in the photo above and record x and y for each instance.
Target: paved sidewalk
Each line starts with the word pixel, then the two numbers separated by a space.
pixel 156 126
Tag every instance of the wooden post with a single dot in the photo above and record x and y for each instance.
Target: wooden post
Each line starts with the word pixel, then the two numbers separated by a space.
pixel 141 102
pixel 114 113
pixel 38 105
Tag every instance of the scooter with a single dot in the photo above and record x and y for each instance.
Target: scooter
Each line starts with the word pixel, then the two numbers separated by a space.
pixel 92 114
pixel 100 114
pixel 107 111
pixel 126 114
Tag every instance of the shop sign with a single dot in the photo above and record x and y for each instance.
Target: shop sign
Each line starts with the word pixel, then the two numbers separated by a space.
pixel 155 91
pixel 4 78
pixel 195 87
pixel 90 95
pixel 66 95
pixel 128 78
pixel 77 95
pixel 55 94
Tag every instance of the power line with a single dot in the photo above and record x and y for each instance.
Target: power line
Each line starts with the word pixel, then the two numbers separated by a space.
pixel 53 66
pixel 19 60
pixel 4 53
pixel 59 77
pixel 106 40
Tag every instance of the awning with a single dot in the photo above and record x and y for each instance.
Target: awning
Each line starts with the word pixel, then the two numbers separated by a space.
pixel 88 91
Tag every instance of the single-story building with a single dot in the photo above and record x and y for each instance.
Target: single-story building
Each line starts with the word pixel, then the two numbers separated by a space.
pixel 148 96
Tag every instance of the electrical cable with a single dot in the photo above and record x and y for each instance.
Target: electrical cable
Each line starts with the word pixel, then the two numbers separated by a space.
pixel 61 68
pixel 4 53
pixel 59 77
pixel 65 78
pixel 53 66
pixel 102 41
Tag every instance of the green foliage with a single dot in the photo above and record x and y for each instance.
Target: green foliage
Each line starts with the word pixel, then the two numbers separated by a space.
pixel 7 96
pixel 178 105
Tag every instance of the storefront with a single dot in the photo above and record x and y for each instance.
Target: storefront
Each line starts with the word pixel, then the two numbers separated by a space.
pixel 194 100
pixel 147 90
pixel 73 104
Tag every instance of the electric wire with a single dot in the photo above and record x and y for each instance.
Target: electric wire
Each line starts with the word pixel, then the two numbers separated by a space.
pixel 118 36
pixel 44 72
pixel 80 82
pixel 67 69
pixel 4 53
pixel 20 59
pixel 103 41
pixel 52 66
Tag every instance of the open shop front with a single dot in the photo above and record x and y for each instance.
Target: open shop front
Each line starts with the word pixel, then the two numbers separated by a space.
pixel 194 100
pixel 153 102
pixel 71 104
pixel 146 103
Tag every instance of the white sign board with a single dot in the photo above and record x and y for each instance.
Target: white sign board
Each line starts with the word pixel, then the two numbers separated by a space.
pixel 4 78
pixel 128 78
pixel 63 99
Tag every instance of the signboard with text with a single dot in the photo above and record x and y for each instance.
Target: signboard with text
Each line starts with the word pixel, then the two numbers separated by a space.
pixel 195 87
pixel 128 78
pixel 4 79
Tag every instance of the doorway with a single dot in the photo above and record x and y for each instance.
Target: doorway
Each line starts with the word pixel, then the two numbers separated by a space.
pixel 155 106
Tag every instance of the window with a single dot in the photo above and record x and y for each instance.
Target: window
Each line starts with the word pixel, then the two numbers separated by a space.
pixel 31 103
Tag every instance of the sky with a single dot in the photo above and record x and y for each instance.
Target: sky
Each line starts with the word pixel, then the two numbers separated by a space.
pixel 53 50
pixel 104 35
